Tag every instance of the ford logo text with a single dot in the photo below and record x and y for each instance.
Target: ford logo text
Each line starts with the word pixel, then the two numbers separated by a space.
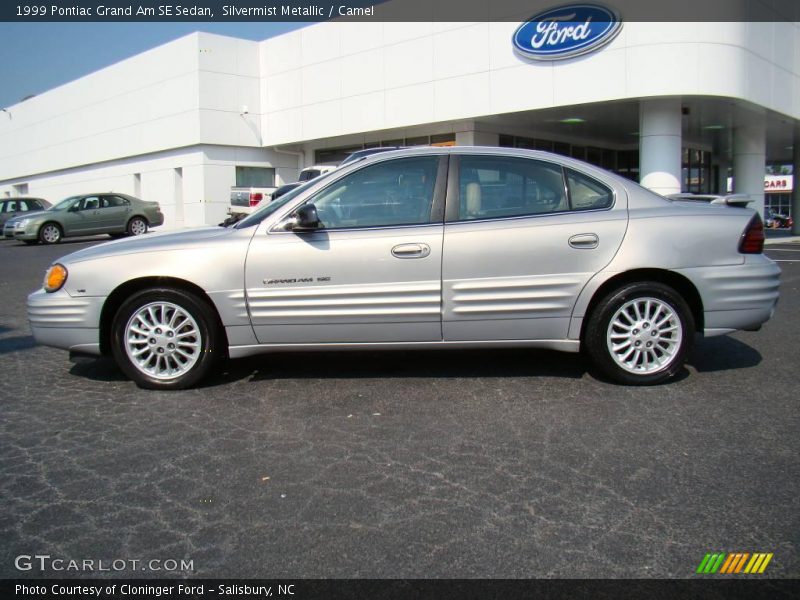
pixel 566 31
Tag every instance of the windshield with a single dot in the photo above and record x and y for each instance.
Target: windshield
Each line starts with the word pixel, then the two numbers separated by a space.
pixel 270 207
pixel 64 203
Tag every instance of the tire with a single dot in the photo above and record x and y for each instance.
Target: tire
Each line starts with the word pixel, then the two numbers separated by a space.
pixel 137 226
pixel 163 362
pixel 616 331
pixel 50 233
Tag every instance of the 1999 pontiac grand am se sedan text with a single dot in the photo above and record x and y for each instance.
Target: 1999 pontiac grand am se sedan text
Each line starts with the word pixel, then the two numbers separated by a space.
pixel 423 248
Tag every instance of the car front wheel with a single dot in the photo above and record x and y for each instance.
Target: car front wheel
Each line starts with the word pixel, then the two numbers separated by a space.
pixel 165 339
pixel 50 233
pixel 640 334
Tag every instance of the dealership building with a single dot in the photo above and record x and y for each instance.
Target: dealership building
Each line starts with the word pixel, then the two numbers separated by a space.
pixel 676 106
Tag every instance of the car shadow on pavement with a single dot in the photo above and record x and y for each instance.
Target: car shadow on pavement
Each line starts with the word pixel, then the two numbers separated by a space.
pixel 97 369
pixel 65 242
pixel 403 364
pixel 16 343
pixel 722 353
pixel 713 354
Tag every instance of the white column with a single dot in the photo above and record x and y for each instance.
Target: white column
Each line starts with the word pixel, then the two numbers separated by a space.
pixel 749 158
pixel 660 145
pixel 722 180
pixel 477 138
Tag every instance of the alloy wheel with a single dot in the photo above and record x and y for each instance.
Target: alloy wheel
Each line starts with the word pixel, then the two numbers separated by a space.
pixel 163 340
pixel 138 227
pixel 51 234
pixel 644 335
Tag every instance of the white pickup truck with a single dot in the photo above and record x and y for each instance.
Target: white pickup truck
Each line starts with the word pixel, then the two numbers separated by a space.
pixel 244 200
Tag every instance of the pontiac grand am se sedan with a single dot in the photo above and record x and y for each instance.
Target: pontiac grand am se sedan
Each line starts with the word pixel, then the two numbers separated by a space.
pixel 113 213
pixel 423 248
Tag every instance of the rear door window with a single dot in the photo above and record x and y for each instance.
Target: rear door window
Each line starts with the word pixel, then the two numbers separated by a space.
pixel 492 187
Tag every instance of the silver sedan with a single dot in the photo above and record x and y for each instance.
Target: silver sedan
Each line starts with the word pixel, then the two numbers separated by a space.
pixel 423 248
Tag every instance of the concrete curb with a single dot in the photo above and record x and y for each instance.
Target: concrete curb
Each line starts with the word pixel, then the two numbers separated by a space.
pixel 789 239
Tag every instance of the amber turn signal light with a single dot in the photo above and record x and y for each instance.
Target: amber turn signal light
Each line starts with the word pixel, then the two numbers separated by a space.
pixel 55 278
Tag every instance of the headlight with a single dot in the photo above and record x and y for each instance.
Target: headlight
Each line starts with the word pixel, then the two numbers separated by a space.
pixel 55 278
pixel 21 224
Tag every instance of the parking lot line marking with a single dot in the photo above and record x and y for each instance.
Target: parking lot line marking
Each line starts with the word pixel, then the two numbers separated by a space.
pixel 784 260
pixel 782 250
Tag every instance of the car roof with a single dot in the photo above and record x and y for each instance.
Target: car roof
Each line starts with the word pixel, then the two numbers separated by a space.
pixel 102 194
pixel 492 150
pixel 353 156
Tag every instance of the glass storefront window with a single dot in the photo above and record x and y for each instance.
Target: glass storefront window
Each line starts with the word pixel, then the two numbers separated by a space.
pixel 696 172
pixel 255 177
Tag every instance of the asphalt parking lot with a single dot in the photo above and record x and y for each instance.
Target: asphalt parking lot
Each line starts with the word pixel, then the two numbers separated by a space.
pixel 491 464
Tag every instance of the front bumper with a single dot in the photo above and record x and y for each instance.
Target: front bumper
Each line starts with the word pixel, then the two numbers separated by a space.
pixel 19 233
pixel 61 321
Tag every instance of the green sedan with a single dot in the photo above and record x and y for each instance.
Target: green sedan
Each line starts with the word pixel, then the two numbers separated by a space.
pixel 89 214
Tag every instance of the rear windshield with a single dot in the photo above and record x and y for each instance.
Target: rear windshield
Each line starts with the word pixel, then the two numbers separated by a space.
pixel 309 175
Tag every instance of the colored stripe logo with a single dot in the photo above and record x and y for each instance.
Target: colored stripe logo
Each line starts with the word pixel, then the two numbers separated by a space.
pixel 732 563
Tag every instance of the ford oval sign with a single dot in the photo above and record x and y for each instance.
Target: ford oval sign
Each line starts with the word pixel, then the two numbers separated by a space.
pixel 566 31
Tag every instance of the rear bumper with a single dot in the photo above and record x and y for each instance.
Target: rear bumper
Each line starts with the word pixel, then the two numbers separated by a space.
pixel 240 210
pixel 737 297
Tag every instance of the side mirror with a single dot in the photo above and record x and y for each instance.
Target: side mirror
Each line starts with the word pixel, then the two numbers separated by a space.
pixel 305 218
pixel 75 207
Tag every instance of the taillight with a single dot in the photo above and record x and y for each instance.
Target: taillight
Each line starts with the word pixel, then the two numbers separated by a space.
pixel 752 241
pixel 255 198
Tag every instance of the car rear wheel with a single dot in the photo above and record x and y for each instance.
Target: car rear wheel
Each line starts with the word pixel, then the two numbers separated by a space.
pixel 50 233
pixel 137 226
pixel 165 339
pixel 640 334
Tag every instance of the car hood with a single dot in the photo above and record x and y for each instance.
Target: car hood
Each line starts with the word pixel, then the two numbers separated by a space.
pixel 29 215
pixel 154 242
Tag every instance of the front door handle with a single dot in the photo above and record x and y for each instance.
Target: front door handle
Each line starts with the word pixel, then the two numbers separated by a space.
pixel 584 241
pixel 411 251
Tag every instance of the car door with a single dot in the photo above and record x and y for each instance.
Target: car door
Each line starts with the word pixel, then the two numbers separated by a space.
pixel 114 212
pixel 522 238
pixel 371 273
pixel 83 217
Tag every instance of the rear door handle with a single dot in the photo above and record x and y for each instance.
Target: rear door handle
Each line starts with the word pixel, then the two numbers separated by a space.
pixel 584 241
pixel 411 251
